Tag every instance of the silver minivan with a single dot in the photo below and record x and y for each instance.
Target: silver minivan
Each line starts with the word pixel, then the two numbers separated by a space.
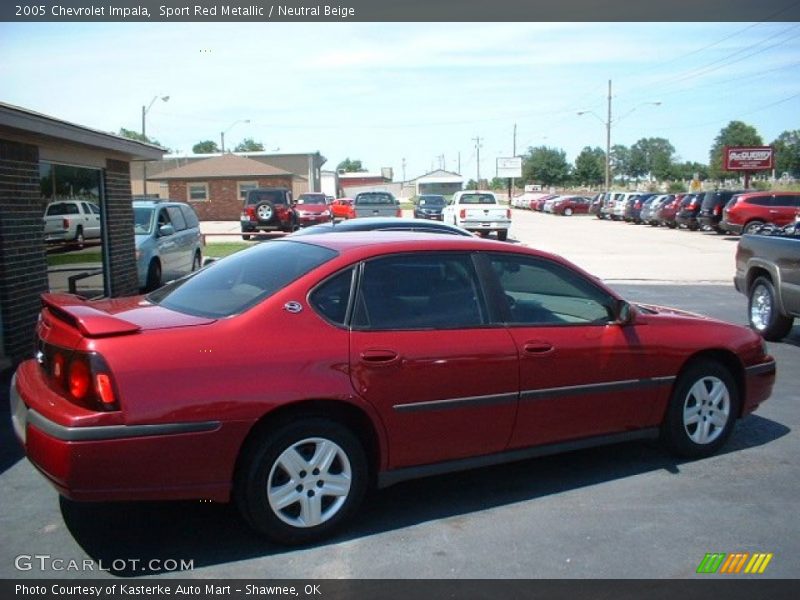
pixel 168 241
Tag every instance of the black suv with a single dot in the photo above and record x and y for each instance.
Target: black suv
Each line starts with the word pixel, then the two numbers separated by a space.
pixel 711 209
pixel 268 209
pixel 429 206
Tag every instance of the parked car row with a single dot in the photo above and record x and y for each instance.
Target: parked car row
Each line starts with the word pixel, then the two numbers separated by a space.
pixel 723 211
pixel 557 204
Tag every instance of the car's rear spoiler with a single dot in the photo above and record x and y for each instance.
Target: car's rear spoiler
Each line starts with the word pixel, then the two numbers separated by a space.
pixel 86 319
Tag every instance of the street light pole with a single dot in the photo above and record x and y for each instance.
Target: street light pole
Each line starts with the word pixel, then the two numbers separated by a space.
pixel 145 110
pixel 608 123
pixel 222 133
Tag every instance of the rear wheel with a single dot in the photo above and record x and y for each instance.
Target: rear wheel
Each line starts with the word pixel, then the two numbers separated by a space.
pixel 702 410
pixel 502 235
pixel 153 275
pixel 568 212
pixel 753 226
pixel 79 239
pixel 300 482
pixel 763 313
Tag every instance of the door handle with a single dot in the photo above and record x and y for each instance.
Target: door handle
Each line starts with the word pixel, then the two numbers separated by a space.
pixel 537 347
pixel 379 356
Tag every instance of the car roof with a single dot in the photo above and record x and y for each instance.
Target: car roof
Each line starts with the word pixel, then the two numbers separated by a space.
pixel 382 224
pixel 157 202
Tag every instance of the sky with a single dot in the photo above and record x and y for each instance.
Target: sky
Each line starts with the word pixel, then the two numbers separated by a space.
pixel 410 96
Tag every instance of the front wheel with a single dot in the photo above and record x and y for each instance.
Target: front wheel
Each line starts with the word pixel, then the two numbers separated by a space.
pixel 299 483
pixel 763 313
pixel 153 275
pixel 567 212
pixel 702 410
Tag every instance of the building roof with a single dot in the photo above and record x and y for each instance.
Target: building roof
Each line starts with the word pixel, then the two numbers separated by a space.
pixel 440 176
pixel 30 122
pixel 227 166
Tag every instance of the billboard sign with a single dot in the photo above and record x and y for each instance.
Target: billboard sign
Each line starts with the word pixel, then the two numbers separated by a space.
pixel 509 167
pixel 748 158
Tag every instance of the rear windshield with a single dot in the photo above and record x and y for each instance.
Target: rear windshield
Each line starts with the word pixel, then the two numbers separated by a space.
pixel 312 199
pixel 478 199
pixel 242 280
pixel 62 208
pixel 259 196
pixel 374 198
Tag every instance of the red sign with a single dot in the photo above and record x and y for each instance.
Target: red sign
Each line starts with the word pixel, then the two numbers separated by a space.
pixel 748 158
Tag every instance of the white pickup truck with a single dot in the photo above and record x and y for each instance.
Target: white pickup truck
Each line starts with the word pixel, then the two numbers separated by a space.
pixel 479 212
pixel 71 221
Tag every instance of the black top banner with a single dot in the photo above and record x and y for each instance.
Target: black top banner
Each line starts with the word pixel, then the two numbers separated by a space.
pixel 400 10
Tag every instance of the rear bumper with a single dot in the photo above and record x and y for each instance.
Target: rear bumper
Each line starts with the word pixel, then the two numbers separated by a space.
pixel 485 225
pixel 731 227
pixel 165 461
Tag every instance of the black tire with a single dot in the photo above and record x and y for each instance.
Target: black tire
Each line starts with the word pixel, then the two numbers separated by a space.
pixel 702 410
pixel 752 227
pixel 502 235
pixel 762 312
pixel 153 275
pixel 245 237
pixel 266 466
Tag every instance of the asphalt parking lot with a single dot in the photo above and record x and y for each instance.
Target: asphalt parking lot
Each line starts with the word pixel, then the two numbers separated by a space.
pixel 625 511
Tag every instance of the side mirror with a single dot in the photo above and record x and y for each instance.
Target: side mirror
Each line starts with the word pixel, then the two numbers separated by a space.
pixel 166 230
pixel 624 313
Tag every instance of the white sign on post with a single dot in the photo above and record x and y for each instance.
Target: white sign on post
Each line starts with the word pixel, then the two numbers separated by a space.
pixel 509 167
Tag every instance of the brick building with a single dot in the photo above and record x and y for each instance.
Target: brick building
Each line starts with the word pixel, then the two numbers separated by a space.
pixel 44 160
pixel 305 168
pixel 215 187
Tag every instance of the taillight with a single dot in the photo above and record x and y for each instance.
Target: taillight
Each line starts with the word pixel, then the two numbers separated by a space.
pixel 717 210
pixel 83 377
pixel 508 213
pixel 79 379
pixel 65 223
pixel 399 212
pixel 463 213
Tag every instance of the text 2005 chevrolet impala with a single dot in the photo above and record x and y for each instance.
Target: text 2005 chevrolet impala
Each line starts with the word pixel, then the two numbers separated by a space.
pixel 293 375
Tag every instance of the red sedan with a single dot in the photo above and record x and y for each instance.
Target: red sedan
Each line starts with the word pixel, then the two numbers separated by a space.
pixel 572 205
pixel 291 375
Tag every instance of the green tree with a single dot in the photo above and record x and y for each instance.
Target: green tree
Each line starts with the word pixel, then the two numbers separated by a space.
pixel 687 170
pixel 620 162
pixel 249 145
pixel 499 183
pixel 735 133
pixel 590 167
pixel 135 135
pixel 787 153
pixel 205 147
pixel 547 165
pixel 652 157
pixel 350 166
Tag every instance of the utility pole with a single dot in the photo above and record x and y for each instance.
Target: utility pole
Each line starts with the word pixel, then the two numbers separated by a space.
pixel 404 170
pixel 459 163
pixel 477 141
pixel 608 140
pixel 514 154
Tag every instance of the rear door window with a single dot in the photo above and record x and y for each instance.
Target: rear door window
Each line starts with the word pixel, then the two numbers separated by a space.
pixel 176 217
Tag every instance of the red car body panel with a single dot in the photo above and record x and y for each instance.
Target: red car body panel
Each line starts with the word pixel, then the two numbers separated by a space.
pixel 342 208
pixel 783 209
pixel 191 389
